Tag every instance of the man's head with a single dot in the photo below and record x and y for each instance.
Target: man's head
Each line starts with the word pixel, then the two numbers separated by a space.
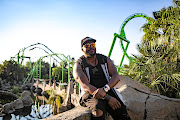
pixel 88 46
pixel 87 39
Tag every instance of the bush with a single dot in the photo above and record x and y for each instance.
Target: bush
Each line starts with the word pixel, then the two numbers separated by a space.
pixel 15 90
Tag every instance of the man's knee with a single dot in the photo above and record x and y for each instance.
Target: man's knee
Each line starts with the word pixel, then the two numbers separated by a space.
pixel 97 113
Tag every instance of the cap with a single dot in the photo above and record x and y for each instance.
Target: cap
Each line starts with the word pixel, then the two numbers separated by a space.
pixel 86 39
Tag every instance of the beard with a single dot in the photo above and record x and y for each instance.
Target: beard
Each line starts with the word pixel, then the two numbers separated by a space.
pixel 89 54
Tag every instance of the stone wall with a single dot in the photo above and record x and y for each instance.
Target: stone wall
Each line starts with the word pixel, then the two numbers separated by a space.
pixel 142 104
pixel 77 113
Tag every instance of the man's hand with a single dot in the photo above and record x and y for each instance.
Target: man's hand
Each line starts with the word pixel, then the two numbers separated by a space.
pixel 99 93
pixel 114 103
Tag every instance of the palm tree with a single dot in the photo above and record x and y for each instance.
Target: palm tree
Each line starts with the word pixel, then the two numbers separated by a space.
pixel 157 65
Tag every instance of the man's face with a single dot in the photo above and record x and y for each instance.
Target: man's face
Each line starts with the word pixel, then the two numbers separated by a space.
pixel 89 49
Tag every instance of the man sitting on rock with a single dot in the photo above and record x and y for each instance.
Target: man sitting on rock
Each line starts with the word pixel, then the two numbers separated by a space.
pixel 97 76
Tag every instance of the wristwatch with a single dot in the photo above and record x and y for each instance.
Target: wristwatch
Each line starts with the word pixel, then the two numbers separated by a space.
pixel 106 88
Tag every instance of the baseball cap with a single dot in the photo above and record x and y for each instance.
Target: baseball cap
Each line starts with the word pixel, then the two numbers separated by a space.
pixel 86 39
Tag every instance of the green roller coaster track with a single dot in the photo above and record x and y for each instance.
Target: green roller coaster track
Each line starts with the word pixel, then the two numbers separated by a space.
pixel 23 50
pixel 37 66
pixel 36 69
pixel 122 38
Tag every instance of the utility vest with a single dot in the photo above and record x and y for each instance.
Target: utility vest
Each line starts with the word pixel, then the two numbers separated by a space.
pixel 103 62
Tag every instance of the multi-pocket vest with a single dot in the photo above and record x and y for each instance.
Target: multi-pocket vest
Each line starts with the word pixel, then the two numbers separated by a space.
pixel 103 61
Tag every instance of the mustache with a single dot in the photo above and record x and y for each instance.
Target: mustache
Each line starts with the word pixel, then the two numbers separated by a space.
pixel 90 49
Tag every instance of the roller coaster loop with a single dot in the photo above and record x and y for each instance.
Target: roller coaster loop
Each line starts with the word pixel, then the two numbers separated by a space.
pixel 122 37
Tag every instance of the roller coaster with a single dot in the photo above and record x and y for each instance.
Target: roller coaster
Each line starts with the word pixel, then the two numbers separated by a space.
pixel 36 69
pixel 122 38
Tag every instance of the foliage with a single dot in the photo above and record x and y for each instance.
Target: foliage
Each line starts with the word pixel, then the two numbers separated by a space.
pixel 15 90
pixel 57 71
pixel 57 74
pixel 44 68
pixel 11 70
pixel 55 100
pixel 158 64
pixel 29 65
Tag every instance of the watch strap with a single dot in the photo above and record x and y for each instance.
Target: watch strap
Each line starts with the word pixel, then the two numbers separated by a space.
pixel 106 97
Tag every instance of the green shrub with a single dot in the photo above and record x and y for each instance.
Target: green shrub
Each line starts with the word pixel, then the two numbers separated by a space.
pixel 15 90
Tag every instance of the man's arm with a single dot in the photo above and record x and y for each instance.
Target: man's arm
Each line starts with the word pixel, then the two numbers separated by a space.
pixel 82 79
pixel 100 93
pixel 113 73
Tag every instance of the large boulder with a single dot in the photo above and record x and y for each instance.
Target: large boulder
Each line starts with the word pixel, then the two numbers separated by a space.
pixel 8 108
pixel 78 113
pixel 17 104
pixel 143 104
pixel 26 98
pixel 38 91
pixel 27 86
pixel 24 101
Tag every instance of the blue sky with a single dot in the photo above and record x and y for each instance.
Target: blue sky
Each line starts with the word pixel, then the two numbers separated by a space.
pixel 61 24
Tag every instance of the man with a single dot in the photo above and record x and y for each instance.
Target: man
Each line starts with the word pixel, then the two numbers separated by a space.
pixel 97 77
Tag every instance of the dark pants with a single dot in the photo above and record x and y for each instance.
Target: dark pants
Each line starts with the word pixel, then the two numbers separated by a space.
pixel 94 104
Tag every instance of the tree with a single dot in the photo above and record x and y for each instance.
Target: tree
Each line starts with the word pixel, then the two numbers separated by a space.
pixel 57 71
pixel 44 70
pixel 158 63
pixel 11 70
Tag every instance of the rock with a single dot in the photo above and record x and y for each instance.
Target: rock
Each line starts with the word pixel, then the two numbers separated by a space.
pixel 2 114
pixel 63 108
pixel 33 88
pixel 38 91
pixel 26 98
pixel 23 111
pixel 79 113
pixel 26 86
pixel 75 100
pixel 45 94
pixel 24 101
pixel 134 101
pixel 8 108
pixel 15 82
pixel 143 104
pixel 7 117
pixel 20 82
pixel 127 81
pixel 25 93
pixel 4 81
pixel 17 104
pixel 161 108
pixel 7 84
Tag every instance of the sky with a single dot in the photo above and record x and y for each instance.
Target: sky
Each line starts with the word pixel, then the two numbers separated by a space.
pixel 61 24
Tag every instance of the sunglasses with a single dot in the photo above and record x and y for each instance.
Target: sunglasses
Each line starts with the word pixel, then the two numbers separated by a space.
pixel 89 45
